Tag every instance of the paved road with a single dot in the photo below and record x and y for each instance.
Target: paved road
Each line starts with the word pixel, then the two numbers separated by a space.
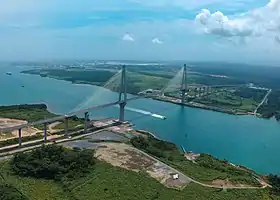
pixel 181 175
pixel 263 101
pixel 82 144
pixel 107 136
pixel 197 182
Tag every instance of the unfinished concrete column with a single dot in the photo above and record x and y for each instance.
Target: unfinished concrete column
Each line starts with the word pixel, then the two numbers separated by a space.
pixel 184 85
pixel 122 110
pixel 19 137
pixel 45 132
pixel 66 126
pixel 123 95
pixel 86 122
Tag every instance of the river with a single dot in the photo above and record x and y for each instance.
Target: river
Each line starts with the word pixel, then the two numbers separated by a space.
pixel 244 140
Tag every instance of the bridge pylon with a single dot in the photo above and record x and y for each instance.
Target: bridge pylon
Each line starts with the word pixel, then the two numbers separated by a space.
pixel 122 94
pixel 184 85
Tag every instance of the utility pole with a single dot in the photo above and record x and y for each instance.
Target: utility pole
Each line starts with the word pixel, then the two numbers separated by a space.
pixel 122 94
pixel 184 84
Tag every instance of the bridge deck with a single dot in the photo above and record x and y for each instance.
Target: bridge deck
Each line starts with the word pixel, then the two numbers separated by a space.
pixel 62 117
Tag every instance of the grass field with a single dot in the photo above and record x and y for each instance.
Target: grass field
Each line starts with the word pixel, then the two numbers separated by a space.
pixel 217 170
pixel 206 169
pixel 229 101
pixel 33 113
pixel 72 124
pixel 30 113
pixel 33 188
pixel 107 182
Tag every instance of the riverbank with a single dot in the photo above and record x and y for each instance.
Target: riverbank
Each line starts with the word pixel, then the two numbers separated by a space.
pixel 206 170
pixel 201 106
pixel 82 78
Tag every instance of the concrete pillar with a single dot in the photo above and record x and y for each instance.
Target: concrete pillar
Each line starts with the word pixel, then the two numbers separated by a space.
pixel 45 132
pixel 184 85
pixel 86 122
pixel 66 126
pixel 123 95
pixel 122 110
pixel 19 137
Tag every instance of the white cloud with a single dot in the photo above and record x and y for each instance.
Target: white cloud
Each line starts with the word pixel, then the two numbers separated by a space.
pixel 186 4
pixel 128 37
pixel 157 41
pixel 264 21
pixel 277 39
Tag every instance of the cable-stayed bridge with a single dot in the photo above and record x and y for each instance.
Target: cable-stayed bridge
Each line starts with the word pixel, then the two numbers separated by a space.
pixel 117 83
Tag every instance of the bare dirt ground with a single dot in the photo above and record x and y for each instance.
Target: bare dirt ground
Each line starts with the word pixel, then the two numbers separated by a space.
pixel 6 122
pixel 51 128
pixel 227 184
pixel 125 156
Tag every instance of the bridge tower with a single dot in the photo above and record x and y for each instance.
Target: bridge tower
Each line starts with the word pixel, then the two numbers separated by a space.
pixel 122 94
pixel 184 85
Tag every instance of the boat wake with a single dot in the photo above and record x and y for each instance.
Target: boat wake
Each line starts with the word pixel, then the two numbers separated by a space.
pixel 145 113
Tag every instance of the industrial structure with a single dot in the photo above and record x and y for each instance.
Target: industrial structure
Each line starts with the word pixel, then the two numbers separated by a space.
pixel 184 85
pixel 122 102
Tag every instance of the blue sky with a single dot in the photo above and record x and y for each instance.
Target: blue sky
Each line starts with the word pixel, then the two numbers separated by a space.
pixel 194 30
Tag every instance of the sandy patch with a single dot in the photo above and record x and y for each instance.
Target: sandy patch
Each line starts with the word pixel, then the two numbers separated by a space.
pixel 6 122
pixel 122 155
pixel 52 126
pixel 125 156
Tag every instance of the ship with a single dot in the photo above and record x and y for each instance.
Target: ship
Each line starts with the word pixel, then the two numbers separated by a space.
pixel 9 73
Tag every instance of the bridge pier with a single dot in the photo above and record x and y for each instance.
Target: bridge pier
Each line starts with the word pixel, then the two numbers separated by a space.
pixel 184 85
pixel 66 126
pixel 122 110
pixel 45 132
pixel 19 137
pixel 86 122
pixel 122 95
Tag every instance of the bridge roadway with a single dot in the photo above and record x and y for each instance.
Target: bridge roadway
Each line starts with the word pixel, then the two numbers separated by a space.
pixel 62 117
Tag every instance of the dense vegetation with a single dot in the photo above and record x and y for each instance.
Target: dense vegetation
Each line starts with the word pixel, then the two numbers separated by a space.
pixel 250 93
pixel 274 180
pixel 30 176
pixel 264 76
pixel 93 76
pixel 137 82
pixel 272 107
pixel 111 183
pixel 53 162
pixel 142 77
pixel 9 192
pixel 206 168
pixel 30 113
pixel 158 148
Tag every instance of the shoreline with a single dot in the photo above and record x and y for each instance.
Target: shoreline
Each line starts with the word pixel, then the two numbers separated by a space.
pixel 204 107
pixel 145 132
pixel 192 105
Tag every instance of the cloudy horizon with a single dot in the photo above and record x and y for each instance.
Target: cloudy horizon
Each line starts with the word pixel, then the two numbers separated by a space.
pixel 207 30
